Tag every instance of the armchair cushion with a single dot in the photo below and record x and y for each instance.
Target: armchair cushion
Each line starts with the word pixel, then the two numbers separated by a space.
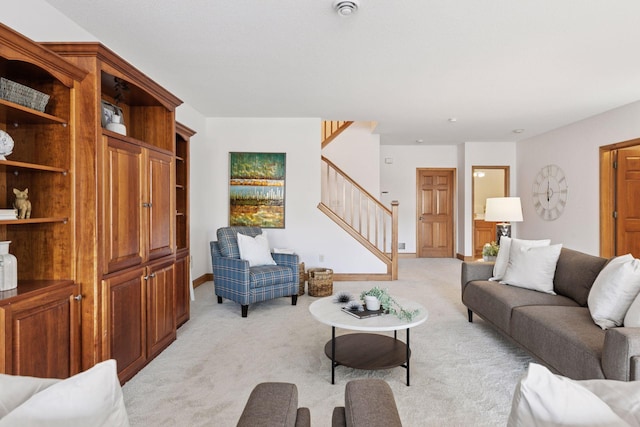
pixel 269 275
pixel 228 240
pixel 255 249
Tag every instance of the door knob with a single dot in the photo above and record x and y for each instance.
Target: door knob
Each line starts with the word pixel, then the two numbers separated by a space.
pixel 78 297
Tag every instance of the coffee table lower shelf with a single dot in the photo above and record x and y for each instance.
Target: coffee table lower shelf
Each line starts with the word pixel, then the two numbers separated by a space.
pixel 367 351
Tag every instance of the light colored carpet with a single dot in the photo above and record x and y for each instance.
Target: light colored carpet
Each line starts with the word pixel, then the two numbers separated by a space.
pixel 462 373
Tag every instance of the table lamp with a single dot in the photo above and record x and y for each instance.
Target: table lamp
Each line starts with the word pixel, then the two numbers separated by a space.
pixel 503 210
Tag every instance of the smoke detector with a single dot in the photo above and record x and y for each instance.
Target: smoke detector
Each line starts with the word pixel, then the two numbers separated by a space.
pixel 346 7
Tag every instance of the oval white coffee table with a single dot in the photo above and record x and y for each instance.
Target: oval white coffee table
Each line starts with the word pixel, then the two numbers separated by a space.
pixel 368 351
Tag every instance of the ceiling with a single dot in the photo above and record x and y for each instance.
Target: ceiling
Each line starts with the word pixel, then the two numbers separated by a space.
pixel 412 65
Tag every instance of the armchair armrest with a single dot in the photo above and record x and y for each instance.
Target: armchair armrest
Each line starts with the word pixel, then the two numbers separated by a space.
pixel 621 354
pixel 475 270
pixel 286 260
pixel 230 273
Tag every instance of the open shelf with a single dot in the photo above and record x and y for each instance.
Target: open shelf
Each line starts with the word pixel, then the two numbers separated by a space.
pixel 16 113
pixel 10 165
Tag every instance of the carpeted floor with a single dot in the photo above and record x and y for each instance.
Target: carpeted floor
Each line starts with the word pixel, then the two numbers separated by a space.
pixel 462 373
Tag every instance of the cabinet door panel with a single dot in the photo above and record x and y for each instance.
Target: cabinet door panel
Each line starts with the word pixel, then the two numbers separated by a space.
pixel 123 201
pixel 161 326
pixel 182 290
pixel 161 211
pixel 126 322
pixel 43 335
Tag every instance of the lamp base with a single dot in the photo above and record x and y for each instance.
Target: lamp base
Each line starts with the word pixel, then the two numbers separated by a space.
pixel 502 229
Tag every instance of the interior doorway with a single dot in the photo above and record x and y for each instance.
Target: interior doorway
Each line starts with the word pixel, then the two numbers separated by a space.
pixel 434 202
pixel 487 181
pixel 619 194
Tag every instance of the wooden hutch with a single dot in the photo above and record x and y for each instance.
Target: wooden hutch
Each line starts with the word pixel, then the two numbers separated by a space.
pixel 104 259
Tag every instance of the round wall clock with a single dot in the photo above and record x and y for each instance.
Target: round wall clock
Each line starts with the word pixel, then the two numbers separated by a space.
pixel 550 192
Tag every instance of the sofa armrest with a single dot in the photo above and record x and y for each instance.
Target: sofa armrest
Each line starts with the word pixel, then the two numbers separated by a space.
pixel 475 270
pixel 287 260
pixel 370 403
pixel 621 354
pixel 271 404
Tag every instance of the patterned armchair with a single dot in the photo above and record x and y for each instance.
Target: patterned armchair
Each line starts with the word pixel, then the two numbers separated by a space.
pixel 235 280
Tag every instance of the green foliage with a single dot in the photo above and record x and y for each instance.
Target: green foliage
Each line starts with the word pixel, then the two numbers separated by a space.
pixel 490 249
pixel 389 304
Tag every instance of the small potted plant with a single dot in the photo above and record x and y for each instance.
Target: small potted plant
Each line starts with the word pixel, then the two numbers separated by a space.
pixel 387 303
pixel 490 251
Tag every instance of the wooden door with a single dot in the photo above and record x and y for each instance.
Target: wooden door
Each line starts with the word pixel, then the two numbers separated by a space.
pixel 123 239
pixel 627 207
pixel 126 321
pixel 483 232
pixel 435 213
pixel 44 335
pixel 183 295
pixel 160 212
pixel 161 314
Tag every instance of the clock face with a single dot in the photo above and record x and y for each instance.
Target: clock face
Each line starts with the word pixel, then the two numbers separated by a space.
pixel 550 190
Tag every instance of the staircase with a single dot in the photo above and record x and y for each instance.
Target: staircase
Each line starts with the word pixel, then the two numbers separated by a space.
pixel 359 213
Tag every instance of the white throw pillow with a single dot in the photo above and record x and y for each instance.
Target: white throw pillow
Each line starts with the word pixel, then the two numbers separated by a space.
pixel 632 318
pixel 532 267
pixel 613 291
pixel 255 249
pixel 90 398
pixel 16 389
pixel 502 260
pixel 544 399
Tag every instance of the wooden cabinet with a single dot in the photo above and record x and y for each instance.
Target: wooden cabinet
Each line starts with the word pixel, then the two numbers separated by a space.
pixel 183 291
pixel 39 319
pixel 126 197
pixel 39 333
pixel 483 232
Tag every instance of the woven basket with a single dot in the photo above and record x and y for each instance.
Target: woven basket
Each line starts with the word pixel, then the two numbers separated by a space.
pixel 301 279
pixel 320 282
pixel 22 95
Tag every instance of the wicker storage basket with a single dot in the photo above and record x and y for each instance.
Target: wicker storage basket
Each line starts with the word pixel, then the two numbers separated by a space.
pixel 22 95
pixel 320 282
pixel 301 279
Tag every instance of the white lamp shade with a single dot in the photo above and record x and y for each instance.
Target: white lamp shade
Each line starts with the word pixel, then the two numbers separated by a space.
pixel 503 209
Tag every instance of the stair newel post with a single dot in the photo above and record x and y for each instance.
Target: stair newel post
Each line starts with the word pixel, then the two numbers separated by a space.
pixel 394 240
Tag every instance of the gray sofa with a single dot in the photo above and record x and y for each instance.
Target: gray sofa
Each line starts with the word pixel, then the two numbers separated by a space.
pixel 274 404
pixel 557 329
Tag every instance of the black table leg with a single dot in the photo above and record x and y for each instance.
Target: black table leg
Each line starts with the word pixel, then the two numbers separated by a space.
pixel 408 356
pixel 333 354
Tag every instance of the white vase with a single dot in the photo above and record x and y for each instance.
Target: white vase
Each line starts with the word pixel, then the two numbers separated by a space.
pixel 372 303
pixel 8 268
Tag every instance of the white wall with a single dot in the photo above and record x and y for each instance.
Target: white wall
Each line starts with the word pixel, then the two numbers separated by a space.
pixel 307 230
pixel 398 180
pixel 575 149
pixel 357 152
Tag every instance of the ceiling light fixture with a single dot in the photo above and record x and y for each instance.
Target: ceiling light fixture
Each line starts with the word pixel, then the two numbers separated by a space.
pixel 346 7
pixel 452 120
pixel 419 141
pixel 518 130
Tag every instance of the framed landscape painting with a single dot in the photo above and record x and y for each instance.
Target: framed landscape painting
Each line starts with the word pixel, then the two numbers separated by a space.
pixel 257 189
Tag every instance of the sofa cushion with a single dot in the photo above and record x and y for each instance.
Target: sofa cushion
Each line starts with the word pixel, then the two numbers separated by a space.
pixel 532 267
pixel 614 290
pixel 271 404
pixel 542 398
pixel 255 249
pixel 575 274
pixel 632 318
pixel 562 337
pixel 228 241
pixel 90 398
pixel 494 301
pixel 504 254
pixel 269 275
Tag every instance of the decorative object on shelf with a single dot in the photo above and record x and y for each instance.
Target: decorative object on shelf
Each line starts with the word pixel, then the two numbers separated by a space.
pixel 108 111
pixel 503 210
pixel 550 191
pixel 8 268
pixel 23 95
pixel 8 214
pixel 388 304
pixel 6 144
pixel 257 189
pixel 343 297
pixel 490 251
pixel 116 125
pixel 320 282
pixel 22 203
pixel 120 86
